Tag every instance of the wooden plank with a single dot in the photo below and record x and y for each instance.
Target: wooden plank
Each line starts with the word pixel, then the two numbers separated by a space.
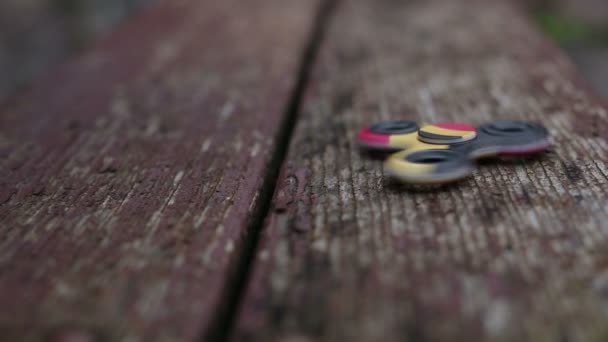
pixel 517 252
pixel 129 176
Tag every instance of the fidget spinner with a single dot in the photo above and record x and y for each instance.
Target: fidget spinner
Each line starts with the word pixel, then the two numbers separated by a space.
pixel 445 152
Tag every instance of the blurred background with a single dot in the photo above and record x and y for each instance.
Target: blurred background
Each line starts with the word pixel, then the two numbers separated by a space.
pixel 36 35
pixel 580 27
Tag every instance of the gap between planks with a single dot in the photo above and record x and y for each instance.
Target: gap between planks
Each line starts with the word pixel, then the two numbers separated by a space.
pixel 221 326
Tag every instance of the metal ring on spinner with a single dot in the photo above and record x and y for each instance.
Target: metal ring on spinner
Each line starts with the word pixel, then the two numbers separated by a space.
pixel 426 166
pixel 447 133
pixel 510 138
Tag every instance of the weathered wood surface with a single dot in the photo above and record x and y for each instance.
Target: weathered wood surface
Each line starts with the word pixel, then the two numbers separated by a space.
pixel 129 176
pixel 517 252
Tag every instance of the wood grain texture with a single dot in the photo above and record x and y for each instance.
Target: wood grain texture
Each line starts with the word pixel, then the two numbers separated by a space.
pixel 516 252
pixel 129 176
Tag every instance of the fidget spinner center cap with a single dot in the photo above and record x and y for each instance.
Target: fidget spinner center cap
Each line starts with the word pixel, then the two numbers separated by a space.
pixel 447 133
